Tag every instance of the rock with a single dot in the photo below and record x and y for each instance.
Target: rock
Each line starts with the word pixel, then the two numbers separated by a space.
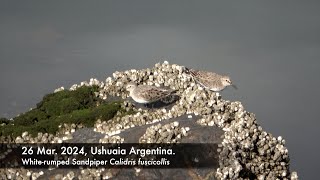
pixel 245 151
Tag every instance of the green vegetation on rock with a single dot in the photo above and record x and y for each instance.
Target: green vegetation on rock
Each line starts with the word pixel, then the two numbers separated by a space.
pixel 4 121
pixel 79 107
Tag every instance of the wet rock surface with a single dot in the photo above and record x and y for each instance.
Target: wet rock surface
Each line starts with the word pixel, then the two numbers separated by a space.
pixel 243 151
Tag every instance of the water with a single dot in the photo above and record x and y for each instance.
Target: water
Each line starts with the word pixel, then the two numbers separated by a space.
pixel 270 50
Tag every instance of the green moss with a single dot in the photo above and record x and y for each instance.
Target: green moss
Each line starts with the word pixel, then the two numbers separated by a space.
pixel 65 101
pixel 30 118
pixel 88 117
pixel 13 130
pixel 4 121
pixel 78 107
pixel 123 112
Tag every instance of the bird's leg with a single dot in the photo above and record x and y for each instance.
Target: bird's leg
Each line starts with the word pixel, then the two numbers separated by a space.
pixel 206 93
pixel 146 105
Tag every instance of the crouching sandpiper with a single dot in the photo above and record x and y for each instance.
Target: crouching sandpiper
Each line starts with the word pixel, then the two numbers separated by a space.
pixel 146 94
pixel 210 80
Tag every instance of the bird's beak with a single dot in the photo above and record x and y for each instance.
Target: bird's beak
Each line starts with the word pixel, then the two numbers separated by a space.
pixel 234 86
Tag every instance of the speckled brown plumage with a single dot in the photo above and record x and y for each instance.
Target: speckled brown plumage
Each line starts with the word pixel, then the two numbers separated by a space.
pixel 146 93
pixel 210 80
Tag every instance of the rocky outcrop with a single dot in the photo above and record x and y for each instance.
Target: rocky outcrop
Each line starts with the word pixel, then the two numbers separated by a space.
pixel 244 150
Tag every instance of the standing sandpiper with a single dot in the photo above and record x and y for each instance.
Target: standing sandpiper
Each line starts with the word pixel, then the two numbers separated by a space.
pixel 147 94
pixel 210 80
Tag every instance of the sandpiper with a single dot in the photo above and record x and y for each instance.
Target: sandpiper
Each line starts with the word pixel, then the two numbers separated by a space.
pixel 210 80
pixel 147 94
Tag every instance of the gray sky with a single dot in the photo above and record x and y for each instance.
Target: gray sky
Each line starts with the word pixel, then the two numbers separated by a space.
pixel 271 50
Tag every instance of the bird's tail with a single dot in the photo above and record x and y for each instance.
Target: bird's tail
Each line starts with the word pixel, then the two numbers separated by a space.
pixel 190 72
pixel 173 91
pixel 171 97
pixel 186 70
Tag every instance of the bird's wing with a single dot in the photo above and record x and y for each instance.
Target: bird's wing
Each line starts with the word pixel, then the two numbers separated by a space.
pixel 153 93
pixel 194 73
pixel 211 76
pixel 204 82
pixel 204 75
